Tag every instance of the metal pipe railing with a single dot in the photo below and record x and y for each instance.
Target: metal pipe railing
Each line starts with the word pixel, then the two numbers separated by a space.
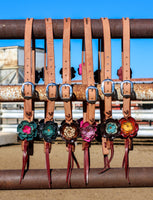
pixel 14 29
pixel 115 177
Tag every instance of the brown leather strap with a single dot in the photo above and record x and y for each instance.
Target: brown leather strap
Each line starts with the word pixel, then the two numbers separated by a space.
pixel 67 69
pixel 126 66
pixel 107 67
pixel 50 70
pixel 89 69
pixel 29 69
pixel 84 80
pixel 106 74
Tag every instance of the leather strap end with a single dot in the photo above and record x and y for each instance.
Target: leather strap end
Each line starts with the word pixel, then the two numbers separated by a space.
pixel 46 146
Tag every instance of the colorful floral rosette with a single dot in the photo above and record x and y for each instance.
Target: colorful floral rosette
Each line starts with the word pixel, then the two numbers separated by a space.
pixel 69 132
pixel 129 127
pixel 27 130
pixel 48 130
pixel 110 128
pixel 88 131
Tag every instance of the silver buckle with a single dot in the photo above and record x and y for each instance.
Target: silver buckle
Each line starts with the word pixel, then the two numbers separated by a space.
pixel 47 91
pixel 103 84
pixel 60 91
pixel 87 94
pixel 22 90
pixel 122 84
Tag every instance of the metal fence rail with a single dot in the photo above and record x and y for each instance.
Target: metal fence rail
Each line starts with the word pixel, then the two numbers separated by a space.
pixel 144 130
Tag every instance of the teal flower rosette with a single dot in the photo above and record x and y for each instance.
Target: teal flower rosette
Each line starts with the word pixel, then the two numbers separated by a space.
pixel 49 131
pixel 27 130
pixel 110 129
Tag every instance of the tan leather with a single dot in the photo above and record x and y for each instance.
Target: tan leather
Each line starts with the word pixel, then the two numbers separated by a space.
pixel 126 66
pixel 50 70
pixel 29 70
pixel 84 81
pixel 67 69
pixel 106 74
pixel 89 69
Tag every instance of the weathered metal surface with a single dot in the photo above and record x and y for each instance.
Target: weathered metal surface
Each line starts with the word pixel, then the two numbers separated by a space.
pixel 14 29
pixel 12 93
pixel 115 177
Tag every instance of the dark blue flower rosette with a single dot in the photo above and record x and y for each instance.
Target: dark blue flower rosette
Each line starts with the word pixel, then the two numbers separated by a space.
pixel 48 130
pixel 27 130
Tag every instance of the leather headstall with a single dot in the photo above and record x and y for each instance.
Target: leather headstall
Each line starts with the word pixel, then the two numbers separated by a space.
pixel 27 129
pixel 69 129
pixel 48 128
pixel 88 124
pixel 129 127
pixel 109 128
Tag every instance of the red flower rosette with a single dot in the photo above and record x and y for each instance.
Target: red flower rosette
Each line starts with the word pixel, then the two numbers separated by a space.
pixel 129 127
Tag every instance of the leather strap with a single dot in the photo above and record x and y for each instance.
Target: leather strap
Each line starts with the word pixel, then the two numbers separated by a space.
pixel 67 69
pixel 106 74
pixel 29 71
pixel 50 70
pixel 126 66
pixel 84 81
pixel 126 88
pixel 89 69
pixel 107 67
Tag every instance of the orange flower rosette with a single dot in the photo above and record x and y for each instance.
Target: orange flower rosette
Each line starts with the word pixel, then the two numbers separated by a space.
pixel 129 127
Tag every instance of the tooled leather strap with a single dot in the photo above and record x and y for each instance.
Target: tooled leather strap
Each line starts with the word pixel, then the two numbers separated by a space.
pixel 126 66
pixel 89 69
pixel 84 81
pixel 28 70
pixel 50 70
pixel 106 74
pixel 67 69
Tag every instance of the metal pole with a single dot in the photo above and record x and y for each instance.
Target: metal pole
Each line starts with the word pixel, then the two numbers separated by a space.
pixel 14 29
pixel 115 177
pixel 12 93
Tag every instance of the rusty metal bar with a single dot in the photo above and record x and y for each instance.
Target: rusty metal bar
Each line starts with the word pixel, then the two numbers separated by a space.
pixel 14 29
pixel 12 93
pixel 115 177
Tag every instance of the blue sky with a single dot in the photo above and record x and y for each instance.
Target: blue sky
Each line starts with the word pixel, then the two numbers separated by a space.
pixel 141 49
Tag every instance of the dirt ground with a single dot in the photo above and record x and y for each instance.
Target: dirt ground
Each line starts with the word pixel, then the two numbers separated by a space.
pixel 11 158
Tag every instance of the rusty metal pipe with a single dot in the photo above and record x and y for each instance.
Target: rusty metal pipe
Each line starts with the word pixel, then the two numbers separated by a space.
pixel 14 29
pixel 12 93
pixel 115 177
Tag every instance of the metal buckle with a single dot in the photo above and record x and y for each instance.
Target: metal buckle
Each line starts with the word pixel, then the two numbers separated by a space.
pixel 60 91
pixel 122 84
pixel 47 91
pixel 87 94
pixel 103 84
pixel 33 90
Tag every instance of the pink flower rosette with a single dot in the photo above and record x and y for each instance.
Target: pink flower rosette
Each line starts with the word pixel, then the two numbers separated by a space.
pixel 88 131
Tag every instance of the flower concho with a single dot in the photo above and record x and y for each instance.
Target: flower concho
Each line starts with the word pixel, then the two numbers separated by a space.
pixel 27 131
pixel 88 134
pixel 109 129
pixel 129 129
pixel 70 132
pixel 48 131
